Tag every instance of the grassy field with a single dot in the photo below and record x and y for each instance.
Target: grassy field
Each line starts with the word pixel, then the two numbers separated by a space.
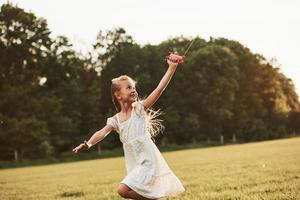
pixel 263 170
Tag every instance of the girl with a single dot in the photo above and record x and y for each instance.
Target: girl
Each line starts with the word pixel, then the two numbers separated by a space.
pixel 148 175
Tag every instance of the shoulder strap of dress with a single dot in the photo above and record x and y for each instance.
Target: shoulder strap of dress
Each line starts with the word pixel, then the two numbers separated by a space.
pixel 117 116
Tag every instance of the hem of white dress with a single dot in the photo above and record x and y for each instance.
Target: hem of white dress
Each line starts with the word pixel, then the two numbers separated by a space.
pixel 137 190
pixel 147 196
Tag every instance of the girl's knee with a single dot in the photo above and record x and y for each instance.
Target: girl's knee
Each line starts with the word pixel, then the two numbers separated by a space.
pixel 123 190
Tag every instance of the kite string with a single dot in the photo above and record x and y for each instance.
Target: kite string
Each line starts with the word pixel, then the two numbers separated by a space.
pixel 189 47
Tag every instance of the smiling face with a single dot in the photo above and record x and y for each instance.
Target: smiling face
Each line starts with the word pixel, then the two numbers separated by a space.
pixel 123 90
pixel 127 92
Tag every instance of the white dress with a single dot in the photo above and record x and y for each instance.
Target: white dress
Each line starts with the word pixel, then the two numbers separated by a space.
pixel 148 174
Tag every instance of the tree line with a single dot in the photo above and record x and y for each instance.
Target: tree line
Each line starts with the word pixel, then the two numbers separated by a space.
pixel 53 97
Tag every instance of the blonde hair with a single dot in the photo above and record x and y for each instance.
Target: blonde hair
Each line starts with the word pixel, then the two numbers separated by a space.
pixel 154 125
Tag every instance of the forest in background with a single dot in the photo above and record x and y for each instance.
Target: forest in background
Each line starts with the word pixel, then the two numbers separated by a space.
pixel 52 97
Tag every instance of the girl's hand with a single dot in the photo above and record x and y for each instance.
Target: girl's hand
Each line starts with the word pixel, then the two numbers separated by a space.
pixel 171 64
pixel 174 59
pixel 82 146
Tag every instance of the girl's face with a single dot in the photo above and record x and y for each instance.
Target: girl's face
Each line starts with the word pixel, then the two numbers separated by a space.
pixel 128 91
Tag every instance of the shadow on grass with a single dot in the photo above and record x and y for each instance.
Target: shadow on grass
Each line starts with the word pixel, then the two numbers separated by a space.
pixel 71 194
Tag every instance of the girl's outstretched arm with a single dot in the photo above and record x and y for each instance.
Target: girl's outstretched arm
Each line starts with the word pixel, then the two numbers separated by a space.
pixel 154 96
pixel 96 137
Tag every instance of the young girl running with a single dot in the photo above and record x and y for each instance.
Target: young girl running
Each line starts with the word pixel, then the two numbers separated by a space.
pixel 148 174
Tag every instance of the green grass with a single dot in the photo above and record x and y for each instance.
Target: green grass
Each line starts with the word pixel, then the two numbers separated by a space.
pixel 262 170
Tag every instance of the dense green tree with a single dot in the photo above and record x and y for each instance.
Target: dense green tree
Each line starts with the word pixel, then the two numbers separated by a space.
pixel 213 71
pixel 294 122
pixel 62 90
pixel 24 44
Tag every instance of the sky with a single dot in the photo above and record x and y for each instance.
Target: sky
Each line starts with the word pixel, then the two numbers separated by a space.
pixel 267 27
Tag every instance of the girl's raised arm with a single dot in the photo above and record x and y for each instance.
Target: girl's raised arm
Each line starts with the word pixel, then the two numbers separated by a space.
pixel 96 137
pixel 154 96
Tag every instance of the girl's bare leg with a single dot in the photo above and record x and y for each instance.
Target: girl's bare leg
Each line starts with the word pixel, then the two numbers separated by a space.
pixel 127 192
